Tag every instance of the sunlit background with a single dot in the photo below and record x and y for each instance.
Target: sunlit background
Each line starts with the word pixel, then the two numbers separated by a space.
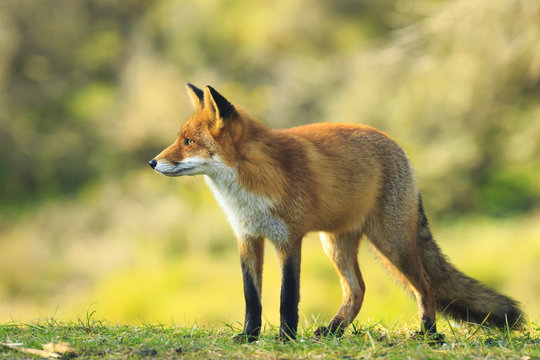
pixel 91 90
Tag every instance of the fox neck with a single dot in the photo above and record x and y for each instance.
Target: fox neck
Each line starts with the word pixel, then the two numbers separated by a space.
pixel 249 190
pixel 254 164
pixel 259 170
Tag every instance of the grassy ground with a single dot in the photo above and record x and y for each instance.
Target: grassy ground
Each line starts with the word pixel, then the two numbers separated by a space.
pixel 96 340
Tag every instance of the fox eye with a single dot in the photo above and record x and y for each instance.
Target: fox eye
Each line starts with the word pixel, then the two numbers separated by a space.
pixel 188 142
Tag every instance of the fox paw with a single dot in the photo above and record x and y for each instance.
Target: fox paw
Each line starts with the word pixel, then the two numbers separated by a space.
pixel 432 338
pixel 325 331
pixel 245 338
pixel 285 338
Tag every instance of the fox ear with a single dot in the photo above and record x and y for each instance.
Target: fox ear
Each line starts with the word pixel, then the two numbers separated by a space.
pixel 196 95
pixel 221 107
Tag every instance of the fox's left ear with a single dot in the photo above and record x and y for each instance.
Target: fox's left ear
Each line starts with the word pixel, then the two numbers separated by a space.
pixel 221 107
pixel 196 95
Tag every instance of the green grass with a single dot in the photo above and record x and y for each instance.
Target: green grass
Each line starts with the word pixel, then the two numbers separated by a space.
pixel 93 339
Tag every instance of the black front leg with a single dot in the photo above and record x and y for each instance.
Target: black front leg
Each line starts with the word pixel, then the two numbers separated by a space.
pixel 251 258
pixel 252 320
pixel 290 291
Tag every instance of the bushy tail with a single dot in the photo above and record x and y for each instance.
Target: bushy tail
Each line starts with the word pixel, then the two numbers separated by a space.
pixel 460 296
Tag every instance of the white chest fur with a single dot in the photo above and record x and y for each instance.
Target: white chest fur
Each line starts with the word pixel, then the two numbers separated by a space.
pixel 248 213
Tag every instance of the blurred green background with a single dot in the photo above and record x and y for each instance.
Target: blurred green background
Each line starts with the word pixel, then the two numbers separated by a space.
pixel 92 90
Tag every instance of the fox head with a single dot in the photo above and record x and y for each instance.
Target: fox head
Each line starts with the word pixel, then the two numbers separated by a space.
pixel 211 138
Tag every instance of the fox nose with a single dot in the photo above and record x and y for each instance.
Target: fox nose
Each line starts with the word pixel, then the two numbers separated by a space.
pixel 152 163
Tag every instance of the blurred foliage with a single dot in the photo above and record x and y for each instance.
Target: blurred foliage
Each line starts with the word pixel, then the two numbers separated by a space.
pixel 90 90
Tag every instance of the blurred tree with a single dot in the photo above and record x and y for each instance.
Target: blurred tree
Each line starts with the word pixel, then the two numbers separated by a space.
pixel 60 73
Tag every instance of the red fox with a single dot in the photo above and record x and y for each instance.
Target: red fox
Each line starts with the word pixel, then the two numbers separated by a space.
pixel 342 180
